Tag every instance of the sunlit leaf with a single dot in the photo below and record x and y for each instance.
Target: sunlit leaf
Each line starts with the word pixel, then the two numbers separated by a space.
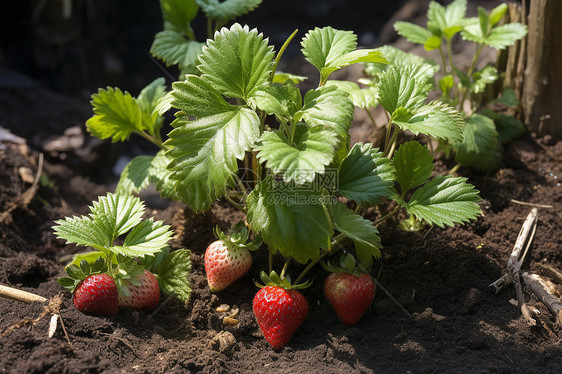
pixel 291 221
pixel 309 153
pixel 237 61
pixel 444 201
pixel 365 175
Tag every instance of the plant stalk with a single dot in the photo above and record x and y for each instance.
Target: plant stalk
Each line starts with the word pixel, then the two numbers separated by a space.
pixel 386 216
pixel 280 54
pixel 234 203
pixel 337 241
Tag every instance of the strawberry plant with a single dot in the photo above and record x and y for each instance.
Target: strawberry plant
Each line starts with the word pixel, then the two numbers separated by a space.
pixel 246 134
pixel 128 249
pixel 485 131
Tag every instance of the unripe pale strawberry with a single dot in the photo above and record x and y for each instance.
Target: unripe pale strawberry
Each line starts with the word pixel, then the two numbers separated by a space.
pixel 225 265
pixel 146 296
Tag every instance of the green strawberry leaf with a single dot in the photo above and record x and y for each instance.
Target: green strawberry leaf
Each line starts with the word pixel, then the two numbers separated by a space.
pixel 282 78
pixel 135 175
pixel 300 160
pixel 143 170
pixel 227 9
pixel 444 201
pixel 435 119
pixel 446 21
pixel 116 115
pixel 488 74
pixel 399 89
pixel 361 97
pixel 509 128
pixel 497 13
pixel 291 220
pixel 237 62
pixel 327 107
pixel 147 237
pixel 203 153
pixel 507 97
pixel 365 175
pixel 174 49
pixel 413 163
pixel 362 231
pixel 498 37
pixel 329 49
pixel 479 148
pixel 116 214
pixel 282 100
pixel 413 33
pixel 82 231
pixel 178 14
pixel 421 69
pixel 173 272
pixel 506 35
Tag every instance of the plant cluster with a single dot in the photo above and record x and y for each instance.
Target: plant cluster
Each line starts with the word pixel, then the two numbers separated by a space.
pixel 131 262
pixel 244 132
pixel 485 131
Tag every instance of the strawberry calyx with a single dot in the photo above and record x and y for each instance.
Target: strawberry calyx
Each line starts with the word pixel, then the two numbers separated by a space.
pixel 348 264
pixel 273 279
pixel 238 237
pixel 77 274
pixel 127 273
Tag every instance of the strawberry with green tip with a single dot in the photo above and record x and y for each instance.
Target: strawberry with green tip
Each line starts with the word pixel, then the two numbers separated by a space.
pixel 280 309
pixel 228 259
pixel 95 293
pixel 349 292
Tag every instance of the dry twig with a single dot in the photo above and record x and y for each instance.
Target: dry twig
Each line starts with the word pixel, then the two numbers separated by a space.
pixel 551 272
pixel 540 288
pixel 513 268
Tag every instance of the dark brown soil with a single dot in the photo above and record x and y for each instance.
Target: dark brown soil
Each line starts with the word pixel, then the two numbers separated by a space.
pixel 440 276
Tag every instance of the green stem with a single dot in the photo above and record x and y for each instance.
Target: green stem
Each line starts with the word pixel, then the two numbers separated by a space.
pixel 477 53
pixel 387 216
pixel 240 184
pixel 152 139
pixel 387 136
pixel 234 203
pixel 270 262
pixel 337 241
pixel 443 61
pixel 371 118
pixel 285 268
pixel 280 54
pixel 455 168
pixel 456 94
pixel 393 140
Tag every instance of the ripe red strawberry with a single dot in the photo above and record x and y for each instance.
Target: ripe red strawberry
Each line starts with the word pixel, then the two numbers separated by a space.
pixel 279 313
pixel 145 296
pixel 349 295
pixel 225 264
pixel 97 295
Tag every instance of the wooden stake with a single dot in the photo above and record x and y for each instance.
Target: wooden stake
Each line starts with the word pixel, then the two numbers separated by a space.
pixel 19 295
